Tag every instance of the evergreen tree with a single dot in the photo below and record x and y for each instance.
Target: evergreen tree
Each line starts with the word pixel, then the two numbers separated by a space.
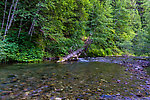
pixel 99 26
pixel 33 30
pixel 142 38
pixel 125 23
pixel 144 9
pixel 63 25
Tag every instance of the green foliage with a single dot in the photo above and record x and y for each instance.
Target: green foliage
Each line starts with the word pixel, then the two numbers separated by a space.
pixel 2 52
pixel 58 27
pixel 96 52
pixel 100 26
pixel 19 52
pixel 123 20
pixel 109 51
pixel 63 25
pixel 142 39
pixel 8 51
pixel 141 43
pixel 31 55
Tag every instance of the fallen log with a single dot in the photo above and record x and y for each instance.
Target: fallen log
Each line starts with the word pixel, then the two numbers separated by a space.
pixel 76 53
pixel 72 55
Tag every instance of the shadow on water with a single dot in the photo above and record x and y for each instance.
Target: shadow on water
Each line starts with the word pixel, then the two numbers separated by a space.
pixel 77 80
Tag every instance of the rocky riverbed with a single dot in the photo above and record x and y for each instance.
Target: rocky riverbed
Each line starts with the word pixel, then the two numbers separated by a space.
pixel 134 65
pixel 88 78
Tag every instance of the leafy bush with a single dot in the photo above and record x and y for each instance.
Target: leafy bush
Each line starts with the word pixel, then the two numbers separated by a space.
pixel 8 51
pixel 109 51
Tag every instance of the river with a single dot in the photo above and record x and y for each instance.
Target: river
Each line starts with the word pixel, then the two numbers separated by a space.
pixel 74 80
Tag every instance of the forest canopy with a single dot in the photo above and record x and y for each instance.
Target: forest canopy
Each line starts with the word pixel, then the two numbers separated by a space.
pixel 37 29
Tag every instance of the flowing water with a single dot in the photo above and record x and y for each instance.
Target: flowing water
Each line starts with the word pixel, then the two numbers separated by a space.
pixel 75 80
pixel 148 70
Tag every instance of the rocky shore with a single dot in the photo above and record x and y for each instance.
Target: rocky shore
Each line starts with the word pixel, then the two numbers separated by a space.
pixel 135 65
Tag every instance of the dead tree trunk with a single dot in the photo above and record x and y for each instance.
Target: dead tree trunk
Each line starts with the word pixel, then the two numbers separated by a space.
pixel 77 52
pixel 74 54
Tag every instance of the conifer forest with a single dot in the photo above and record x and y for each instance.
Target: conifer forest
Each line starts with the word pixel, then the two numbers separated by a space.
pixel 32 31
pixel 74 49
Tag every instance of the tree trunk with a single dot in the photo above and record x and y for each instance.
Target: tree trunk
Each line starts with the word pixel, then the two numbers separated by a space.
pixel 20 27
pixel 8 19
pixel 4 16
pixel 12 16
pixel 31 28
pixel 33 23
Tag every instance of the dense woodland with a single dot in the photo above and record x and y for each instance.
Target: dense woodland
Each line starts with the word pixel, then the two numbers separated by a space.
pixel 37 29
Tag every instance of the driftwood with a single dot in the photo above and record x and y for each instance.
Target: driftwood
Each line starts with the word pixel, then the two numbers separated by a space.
pixel 76 53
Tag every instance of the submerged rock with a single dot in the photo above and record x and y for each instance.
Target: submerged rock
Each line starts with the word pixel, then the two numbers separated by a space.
pixel 11 76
